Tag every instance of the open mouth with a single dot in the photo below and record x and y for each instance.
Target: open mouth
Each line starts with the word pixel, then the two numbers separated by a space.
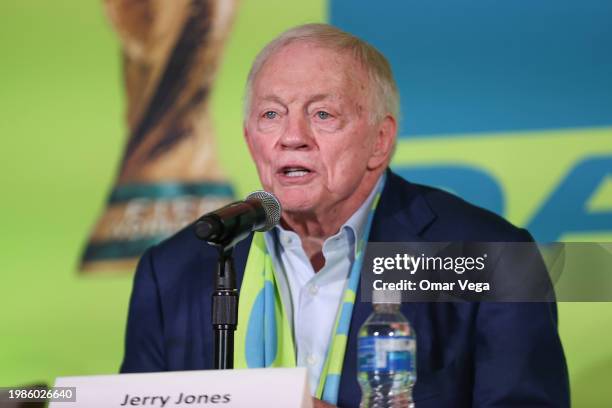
pixel 295 171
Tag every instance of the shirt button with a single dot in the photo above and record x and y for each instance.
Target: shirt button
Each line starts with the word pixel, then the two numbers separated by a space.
pixel 311 360
pixel 313 289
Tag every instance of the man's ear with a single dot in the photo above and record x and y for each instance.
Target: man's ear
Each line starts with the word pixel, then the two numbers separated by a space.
pixel 384 143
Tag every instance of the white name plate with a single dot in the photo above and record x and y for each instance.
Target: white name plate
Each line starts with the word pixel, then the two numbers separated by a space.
pixel 252 388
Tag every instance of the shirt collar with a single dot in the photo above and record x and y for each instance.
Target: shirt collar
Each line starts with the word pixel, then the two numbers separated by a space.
pixel 357 222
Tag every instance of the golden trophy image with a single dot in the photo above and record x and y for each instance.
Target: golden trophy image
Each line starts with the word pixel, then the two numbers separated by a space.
pixel 169 174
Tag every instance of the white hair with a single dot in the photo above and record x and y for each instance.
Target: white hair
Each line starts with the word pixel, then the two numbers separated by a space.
pixel 383 90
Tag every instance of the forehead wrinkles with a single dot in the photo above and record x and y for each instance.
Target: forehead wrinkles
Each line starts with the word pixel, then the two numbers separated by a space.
pixel 327 72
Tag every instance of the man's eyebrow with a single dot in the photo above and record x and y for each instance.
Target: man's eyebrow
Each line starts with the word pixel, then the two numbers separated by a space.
pixel 272 98
pixel 318 97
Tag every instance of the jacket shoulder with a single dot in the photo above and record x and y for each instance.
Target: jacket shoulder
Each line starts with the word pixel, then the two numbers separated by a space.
pixel 454 219
pixel 176 259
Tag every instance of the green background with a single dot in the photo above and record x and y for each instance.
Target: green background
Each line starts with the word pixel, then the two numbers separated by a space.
pixel 62 135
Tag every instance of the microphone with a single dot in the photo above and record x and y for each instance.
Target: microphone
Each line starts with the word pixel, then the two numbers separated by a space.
pixel 228 225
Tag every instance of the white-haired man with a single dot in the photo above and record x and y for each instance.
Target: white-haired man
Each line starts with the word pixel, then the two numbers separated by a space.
pixel 321 112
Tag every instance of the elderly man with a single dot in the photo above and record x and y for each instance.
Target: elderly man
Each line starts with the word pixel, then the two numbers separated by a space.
pixel 320 123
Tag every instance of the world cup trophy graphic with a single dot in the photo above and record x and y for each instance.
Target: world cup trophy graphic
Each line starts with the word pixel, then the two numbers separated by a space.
pixel 169 173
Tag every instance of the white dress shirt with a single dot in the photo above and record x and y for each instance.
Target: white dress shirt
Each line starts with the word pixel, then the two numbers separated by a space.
pixel 311 299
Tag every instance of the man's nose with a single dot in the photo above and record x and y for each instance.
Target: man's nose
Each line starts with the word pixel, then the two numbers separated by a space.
pixel 297 134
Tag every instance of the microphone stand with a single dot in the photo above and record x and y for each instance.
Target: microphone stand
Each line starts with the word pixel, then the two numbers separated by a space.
pixel 224 228
pixel 225 309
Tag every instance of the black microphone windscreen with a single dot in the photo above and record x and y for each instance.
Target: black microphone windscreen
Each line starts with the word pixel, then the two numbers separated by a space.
pixel 271 207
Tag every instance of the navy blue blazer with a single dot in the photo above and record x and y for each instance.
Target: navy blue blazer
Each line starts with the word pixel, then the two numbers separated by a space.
pixel 468 354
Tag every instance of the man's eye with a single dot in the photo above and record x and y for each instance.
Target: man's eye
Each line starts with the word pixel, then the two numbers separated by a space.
pixel 323 115
pixel 270 115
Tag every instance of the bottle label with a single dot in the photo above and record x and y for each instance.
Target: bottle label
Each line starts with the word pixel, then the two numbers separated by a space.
pixel 386 354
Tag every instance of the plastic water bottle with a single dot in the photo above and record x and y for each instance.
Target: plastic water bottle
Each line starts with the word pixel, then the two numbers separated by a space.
pixel 386 355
